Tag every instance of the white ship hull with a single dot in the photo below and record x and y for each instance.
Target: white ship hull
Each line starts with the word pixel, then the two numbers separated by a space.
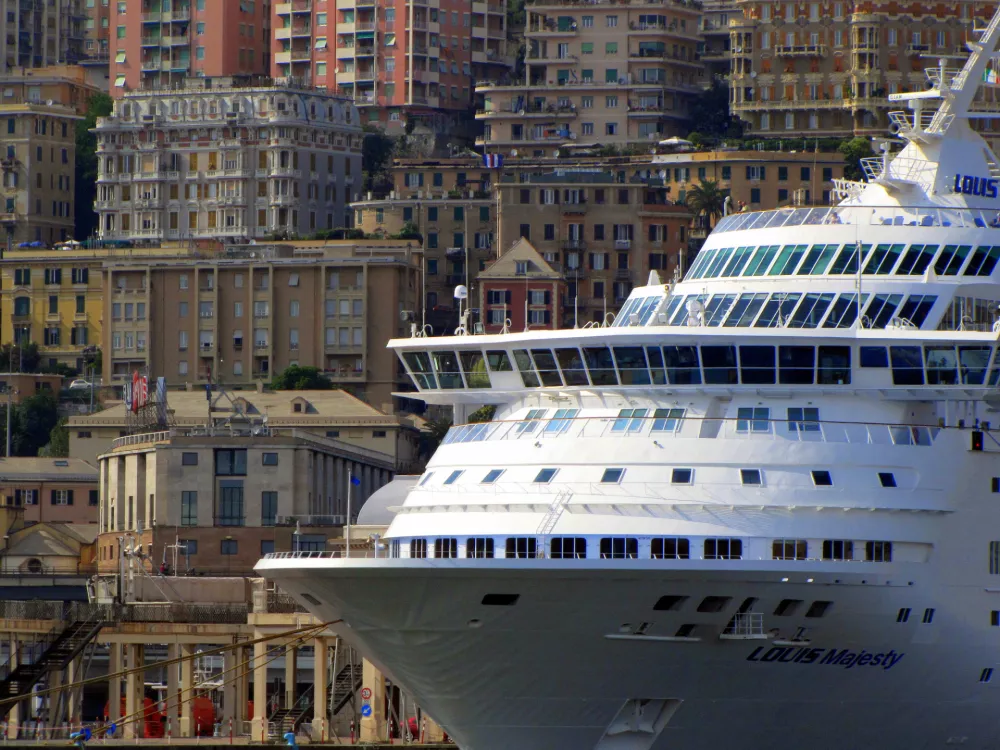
pixel 862 679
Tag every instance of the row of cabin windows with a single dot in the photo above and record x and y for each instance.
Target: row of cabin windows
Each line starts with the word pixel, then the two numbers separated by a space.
pixel 843 260
pixel 661 548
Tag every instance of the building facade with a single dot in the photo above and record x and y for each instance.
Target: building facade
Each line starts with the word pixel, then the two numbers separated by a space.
pixel 50 490
pixel 222 160
pixel 714 50
pixel 520 291
pixel 814 69
pixel 608 73
pixel 36 34
pixel 159 44
pixel 396 58
pixel 227 500
pixel 38 115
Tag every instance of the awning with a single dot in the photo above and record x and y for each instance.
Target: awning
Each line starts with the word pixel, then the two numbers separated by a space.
pixel 120 57
pixel 119 81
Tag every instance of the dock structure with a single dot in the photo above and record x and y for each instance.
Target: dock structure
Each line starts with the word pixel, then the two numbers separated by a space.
pixel 250 670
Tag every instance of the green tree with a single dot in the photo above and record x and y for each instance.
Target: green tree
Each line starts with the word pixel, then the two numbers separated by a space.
pixel 37 415
pixel 483 413
pixel 14 358
pixel 408 232
pixel 710 113
pixel 58 445
pixel 99 105
pixel 854 150
pixel 376 158
pixel 297 378
pixel 707 199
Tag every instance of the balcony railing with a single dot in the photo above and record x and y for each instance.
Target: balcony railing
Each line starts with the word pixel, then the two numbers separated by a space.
pixel 801 50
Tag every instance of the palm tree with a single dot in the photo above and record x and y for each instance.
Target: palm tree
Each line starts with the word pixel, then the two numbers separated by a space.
pixel 707 200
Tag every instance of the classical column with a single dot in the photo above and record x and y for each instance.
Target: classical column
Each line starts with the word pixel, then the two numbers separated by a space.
pixel 373 726
pixel 14 716
pixel 291 670
pixel 134 680
pixel 173 690
pixel 114 682
pixel 185 727
pixel 340 474
pixel 320 677
pixel 229 661
pixel 258 726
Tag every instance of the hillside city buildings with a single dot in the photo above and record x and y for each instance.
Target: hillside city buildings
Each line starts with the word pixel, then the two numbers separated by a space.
pixel 36 34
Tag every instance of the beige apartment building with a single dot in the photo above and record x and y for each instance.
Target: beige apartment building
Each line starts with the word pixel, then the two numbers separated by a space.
pixel 39 110
pixel 36 33
pixel 239 315
pixel 219 159
pixel 825 69
pixel 608 72
pixel 714 27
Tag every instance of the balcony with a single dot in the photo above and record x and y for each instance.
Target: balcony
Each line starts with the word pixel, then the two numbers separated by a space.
pixel 286 172
pixel 150 65
pixel 527 110
pixel 574 245
pixel 800 50
pixel 150 41
pixel 914 50
pixel 283 200
pixel 174 41
pixel 574 208
pixel 301 30
pixel 574 274
pixel 623 244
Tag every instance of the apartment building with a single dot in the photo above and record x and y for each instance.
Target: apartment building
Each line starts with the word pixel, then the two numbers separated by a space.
pixel 395 58
pixel 611 72
pixel 53 298
pixel 220 159
pixel 50 490
pixel 35 33
pixel 39 110
pixel 241 314
pixel 713 51
pixel 521 291
pixel 229 498
pixel 97 32
pixel 160 43
pixel 821 69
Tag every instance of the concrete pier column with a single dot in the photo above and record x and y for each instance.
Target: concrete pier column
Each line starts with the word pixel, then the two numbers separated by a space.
pixel 114 682
pixel 321 675
pixel 56 699
pixel 74 695
pixel 185 727
pixel 134 691
pixel 373 727
pixel 173 688
pixel 242 681
pixel 14 716
pixel 258 727
pixel 229 662
pixel 291 669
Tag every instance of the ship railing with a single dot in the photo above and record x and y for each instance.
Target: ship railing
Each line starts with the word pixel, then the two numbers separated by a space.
pixel 897 216
pixel 666 427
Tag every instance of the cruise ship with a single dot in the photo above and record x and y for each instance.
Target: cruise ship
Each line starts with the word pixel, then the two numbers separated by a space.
pixel 760 509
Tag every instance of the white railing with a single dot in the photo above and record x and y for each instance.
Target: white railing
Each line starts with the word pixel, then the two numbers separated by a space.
pixel 142 439
pixel 695 427
pixel 921 216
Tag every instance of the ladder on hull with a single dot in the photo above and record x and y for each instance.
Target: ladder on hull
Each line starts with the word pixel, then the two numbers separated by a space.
pixel 556 509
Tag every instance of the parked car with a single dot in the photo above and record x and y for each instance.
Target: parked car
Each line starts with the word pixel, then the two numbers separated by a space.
pixel 80 385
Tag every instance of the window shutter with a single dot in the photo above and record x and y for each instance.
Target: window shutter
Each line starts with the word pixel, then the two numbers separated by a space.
pixel 548 315
pixel 591 261
pixel 420 179
pixel 17 497
pixel 52 497
pixel 607 261
pixel 69 497
pixel 506 296
pixel 749 173
pixel 548 299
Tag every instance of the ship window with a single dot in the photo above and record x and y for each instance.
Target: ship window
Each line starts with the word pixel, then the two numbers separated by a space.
pixel 916 260
pixel 685 631
pixel 568 547
pixel 834 365
pixel 907 365
pixel 787 607
pixel 447 369
pixel 454 476
pixel 545 363
pixel 480 547
pixel 427 478
pixel 803 419
pixel 788 260
pixel 874 356
pixel 761 260
pixel 418 548
pixel 916 308
pixel 928 616
pixel 420 365
pixel 713 603
pixel 844 312
pixel 703 259
pixel 619 547
pixel 446 547
pixel 986 675
pixel 571 364
pixel 667 420
pixel 682 365
pixel 545 476
pixel 984 260
pixel 882 259
pixel 973 361
pixel 878 551
pixel 739 261
pixel 818 609
pixel 612 476
pixel 951 259
pixel 521 546
pixel 600 365
pixel 682 476
pixel 942 365
pixel 745 310
pixel 632 365
pixel 669 603
pixel 498 361
pixel 492 476
pixel 822 478
pixel 500 600
pixel 846 261
pixel 757 365
pixel 838 549
pixel 720 364
pixel 655 356
pixel 810 313
pixel 717 308
pixel 717 263
pixel 994 558
pixel 560 421
pixel 670 548
pixel 474 367
pixel 777 310
pixel 995 484
pixel 796 365
pixel 723 549
pixel 880 309
pixel 526 368
pixel 994 618
pixel 531 421
pixel 903 615
pixel 887 479
pixel 817 260
pixel 753 419
pixel 629 420
pixel 788 549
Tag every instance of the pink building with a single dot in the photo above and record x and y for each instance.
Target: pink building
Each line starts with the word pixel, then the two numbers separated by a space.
pixel 50 490
pixel 168 40
pixel 397 58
